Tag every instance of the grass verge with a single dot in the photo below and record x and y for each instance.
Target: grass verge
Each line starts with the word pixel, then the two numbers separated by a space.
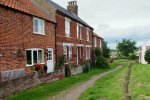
pixel 140 82
pixel 45 90
pixel 109 87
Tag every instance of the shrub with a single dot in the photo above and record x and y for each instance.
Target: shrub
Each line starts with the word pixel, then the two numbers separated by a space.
pixel 133 57
pixel 67 70
pixel 97 52
pixel 101 62
pixel 147 56
pixel 61 61
pixel 86 68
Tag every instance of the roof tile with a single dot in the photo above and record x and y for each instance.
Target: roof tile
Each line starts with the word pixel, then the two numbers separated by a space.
pixel 26 6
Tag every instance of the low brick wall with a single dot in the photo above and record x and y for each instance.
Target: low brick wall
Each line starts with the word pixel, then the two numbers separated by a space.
pixel 15 85
pixel 77 70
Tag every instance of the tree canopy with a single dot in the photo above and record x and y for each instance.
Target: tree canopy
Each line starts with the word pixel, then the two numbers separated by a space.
pixel 126 47
pixel 147 56
pixel 106 50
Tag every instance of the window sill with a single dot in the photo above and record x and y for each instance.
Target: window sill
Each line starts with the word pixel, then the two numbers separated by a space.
pixel 33 65
pixel 39 33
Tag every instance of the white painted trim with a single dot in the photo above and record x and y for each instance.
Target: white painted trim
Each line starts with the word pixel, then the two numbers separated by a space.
pixel 80 45
pixel 89 46
pixel 67 44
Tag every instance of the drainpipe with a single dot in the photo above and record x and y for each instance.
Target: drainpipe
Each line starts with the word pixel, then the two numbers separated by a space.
pixel 55 46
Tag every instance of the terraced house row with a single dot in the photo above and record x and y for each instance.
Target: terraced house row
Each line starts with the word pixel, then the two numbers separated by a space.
pixel 41 31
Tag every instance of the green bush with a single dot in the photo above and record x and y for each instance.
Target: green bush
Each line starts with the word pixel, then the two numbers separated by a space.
pixel 101 62
pixel 133 57
pixel 147 56
pixel 67 70
pixel 98 52
pixel 61 61
pixel 86 68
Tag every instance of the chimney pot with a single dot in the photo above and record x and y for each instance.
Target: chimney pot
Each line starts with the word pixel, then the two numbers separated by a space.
pixel 73 7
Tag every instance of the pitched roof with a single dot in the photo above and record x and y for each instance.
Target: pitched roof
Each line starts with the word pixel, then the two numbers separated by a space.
pixel 25 6
pixel 68 13
pixel 97 35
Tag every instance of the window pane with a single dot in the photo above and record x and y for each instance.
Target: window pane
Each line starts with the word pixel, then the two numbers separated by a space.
pixel 40 56
pixel 36 25
pixel 41 27
pixel 35 57
pixel 29 57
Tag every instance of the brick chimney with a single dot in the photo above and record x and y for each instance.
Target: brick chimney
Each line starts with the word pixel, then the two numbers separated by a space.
pixel 73 7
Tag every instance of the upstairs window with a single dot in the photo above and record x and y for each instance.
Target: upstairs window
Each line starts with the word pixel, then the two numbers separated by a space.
pixel 39 26
pixel 67 27
pixel 100 43
pixel 78 31
pixel 88 35
pixel 95 42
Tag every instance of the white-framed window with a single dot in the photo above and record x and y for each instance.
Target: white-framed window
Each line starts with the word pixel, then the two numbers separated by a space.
pixel 100 43
pixel 67 27
pixel 95 42
pixel 34 56
pixel 88 54
pixel 78 31
pixel 65 51
pixel 68 52
pixel 38 26
pixel 88 34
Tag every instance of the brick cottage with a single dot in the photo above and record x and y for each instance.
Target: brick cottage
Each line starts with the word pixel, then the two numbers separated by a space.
pixel 27 37
pixel 74 36
pixel 97 41
pixel 41 31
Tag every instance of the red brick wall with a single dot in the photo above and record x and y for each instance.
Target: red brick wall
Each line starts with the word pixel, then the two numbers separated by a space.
pixel 16 35
pixel 73 38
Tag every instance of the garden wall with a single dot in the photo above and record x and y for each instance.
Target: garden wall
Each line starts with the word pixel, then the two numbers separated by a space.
pixel 77 70
pixel 15 85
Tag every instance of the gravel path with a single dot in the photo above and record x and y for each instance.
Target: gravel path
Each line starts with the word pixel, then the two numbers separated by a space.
pixel 74 92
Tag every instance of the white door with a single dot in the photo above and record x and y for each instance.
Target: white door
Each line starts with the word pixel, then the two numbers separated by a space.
pixel 50 60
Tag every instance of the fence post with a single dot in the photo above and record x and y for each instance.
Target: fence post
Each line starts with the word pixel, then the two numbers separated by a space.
pixel 128 96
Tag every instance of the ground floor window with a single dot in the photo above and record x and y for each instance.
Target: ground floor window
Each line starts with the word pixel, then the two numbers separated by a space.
pixel 88 53
pixel 34 56
pixel 68 52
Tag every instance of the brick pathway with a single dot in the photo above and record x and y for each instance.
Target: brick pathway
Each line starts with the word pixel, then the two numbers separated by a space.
pixel 74 92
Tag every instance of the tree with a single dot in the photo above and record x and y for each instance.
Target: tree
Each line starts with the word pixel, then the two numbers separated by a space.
pixel 127 47
pixel 106 50
pixel 147 56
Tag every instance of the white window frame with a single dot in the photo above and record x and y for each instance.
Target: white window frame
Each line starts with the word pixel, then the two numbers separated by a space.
pixel 100 43
pixel 88 34
pixel 40 28
pixel 32 56
pixel 78 31
pixel 70 53
pixel 95 41
pixel 88 53
pixel 67 28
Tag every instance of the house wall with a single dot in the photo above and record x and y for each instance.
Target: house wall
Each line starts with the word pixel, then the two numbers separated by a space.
pixel 98 41
pixel 61 38
pixel 16 35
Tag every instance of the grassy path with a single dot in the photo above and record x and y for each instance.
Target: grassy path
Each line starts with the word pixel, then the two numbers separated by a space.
pixel 108 87
pixel 44 91
pixel 140 82
pixel 76 91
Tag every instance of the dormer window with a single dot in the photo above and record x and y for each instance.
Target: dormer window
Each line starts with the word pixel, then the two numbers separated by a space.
pixel 67 27
pixel 38 26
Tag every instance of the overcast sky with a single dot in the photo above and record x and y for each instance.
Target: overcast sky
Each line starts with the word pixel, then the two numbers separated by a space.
pixel 116 19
